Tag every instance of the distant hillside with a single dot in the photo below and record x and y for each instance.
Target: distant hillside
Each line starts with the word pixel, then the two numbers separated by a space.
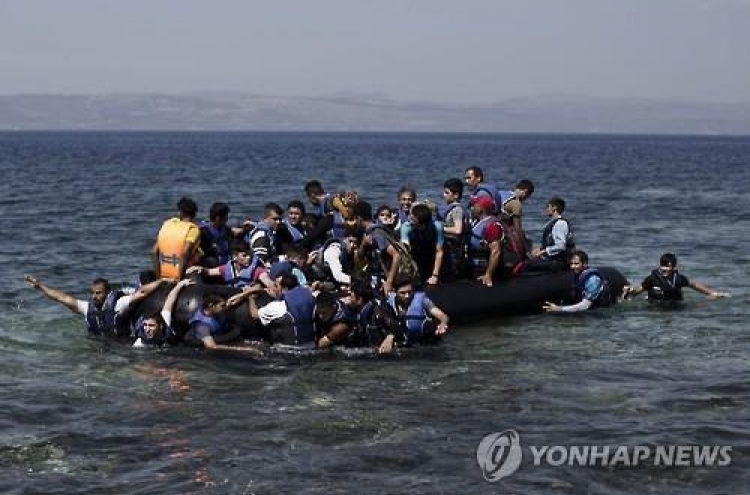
pixel 228 111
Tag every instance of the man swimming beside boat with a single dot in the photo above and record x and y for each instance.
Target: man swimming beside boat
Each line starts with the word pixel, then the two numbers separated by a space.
pixel 590 287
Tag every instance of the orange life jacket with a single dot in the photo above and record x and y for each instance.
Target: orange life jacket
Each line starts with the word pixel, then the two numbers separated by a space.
pixel 171 242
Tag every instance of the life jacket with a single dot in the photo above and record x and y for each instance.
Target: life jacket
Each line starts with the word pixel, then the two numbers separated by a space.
pixel 666 289
pixel 338 229
pixel 340 314
pixel 603 296
pixel 548 240
pixel 244 277
pixel 479 249
pixel 295 232
pixel 139 332
pixel 323 206
pixel 321 269
pixel 414 319
pixel 215 242
pixel 263 227
pixel 217 324
pixel 103 321
pixel 495 193
pixel 171 243
pixel 402 217
pixel 300 304
pixel 456 248
pixel 503 214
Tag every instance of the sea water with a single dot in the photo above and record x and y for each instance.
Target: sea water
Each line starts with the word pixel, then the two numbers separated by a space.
pixel 81 415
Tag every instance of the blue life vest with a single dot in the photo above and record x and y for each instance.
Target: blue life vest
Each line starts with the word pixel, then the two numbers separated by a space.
pixel 323 207
pixel 244 277
pixel 103 321
pixel 600 296
pixel 297 234
pixel 415 317
pixel 478 247
pixel 216 241
pixel 338 229
pixel 300 304
pixel 446 210
pixel 217 324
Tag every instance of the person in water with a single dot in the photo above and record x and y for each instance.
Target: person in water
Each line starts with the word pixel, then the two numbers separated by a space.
pixel 333 321
pixel 289 320
pixel 209 326
pixel 106 309
pixel 421 320
pixel 590 287
pixel 177 245
pixel 666 283
pixel 155 329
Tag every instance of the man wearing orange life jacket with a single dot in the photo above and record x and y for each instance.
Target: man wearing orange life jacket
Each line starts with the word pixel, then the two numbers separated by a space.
pixel 178 244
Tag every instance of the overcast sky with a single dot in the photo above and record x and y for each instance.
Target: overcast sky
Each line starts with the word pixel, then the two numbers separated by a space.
pixel 453 51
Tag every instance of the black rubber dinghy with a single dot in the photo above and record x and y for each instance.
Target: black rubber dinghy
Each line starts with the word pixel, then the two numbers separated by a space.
pixel 462 300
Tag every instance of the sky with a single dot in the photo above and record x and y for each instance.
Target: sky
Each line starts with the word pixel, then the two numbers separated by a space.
pixel 446 51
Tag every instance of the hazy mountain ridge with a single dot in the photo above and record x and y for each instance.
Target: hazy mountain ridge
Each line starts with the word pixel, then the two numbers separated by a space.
pixel 231 111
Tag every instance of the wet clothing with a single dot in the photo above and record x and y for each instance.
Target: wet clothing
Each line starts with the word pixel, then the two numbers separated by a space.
pixel 661 288
pixel 372 323
pixel 201 326
pixel 168 333
pixel 110 318
pixel 590 289
pixel 415 321
pixel 290 320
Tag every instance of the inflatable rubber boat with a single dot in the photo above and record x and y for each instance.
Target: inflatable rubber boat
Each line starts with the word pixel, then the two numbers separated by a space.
pixel 462 300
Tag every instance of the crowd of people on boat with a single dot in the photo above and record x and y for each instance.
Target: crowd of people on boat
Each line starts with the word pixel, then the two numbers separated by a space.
pixel 336 272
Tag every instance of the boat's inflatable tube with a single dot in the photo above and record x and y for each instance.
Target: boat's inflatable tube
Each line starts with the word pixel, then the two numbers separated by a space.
pixel 462 300
pixel 189 300
pixel 466 300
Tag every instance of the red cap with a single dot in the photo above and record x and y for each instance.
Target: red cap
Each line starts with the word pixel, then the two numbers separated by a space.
pixel 483 201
